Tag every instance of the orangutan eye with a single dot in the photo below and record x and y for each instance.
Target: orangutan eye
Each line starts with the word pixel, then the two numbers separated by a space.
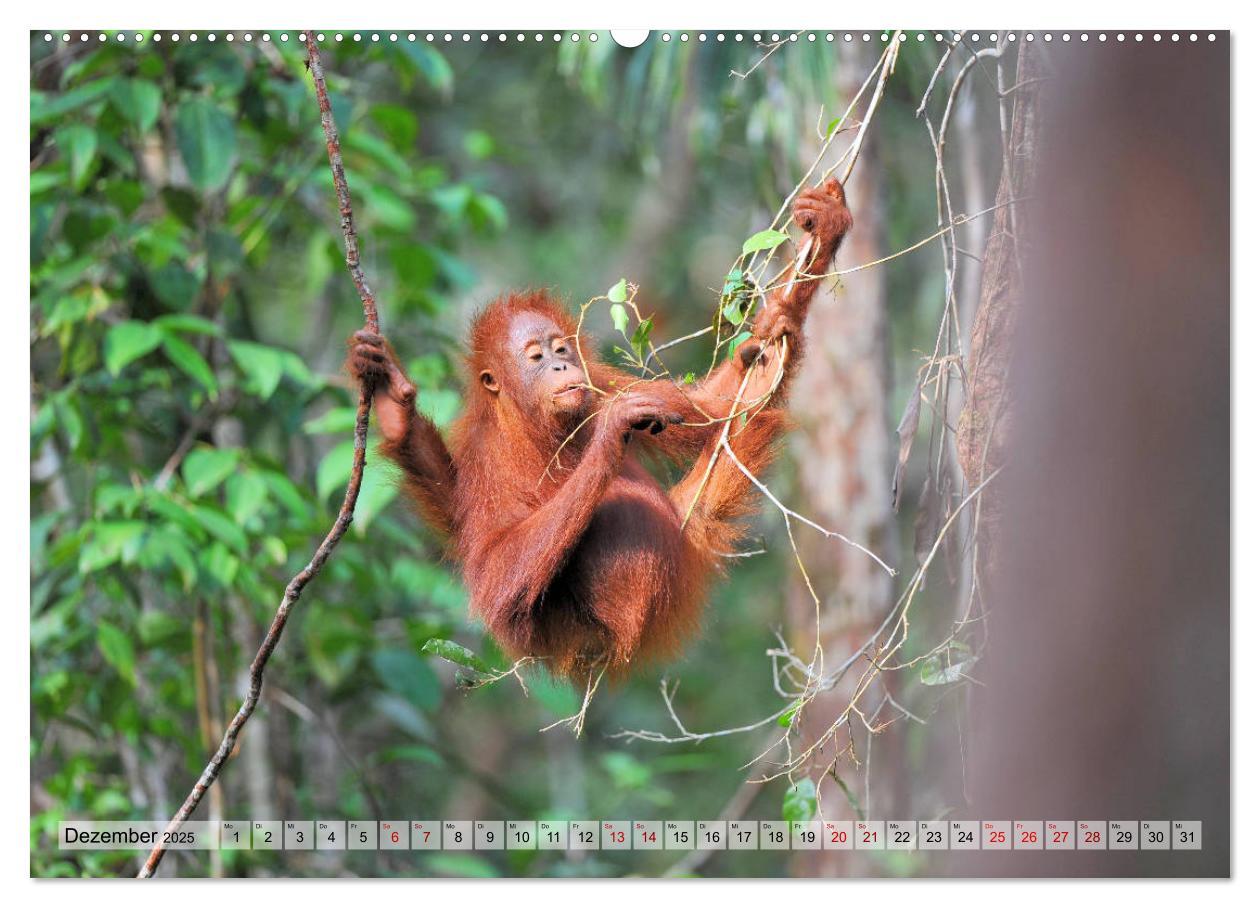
pixel 534 352
pixel 562 350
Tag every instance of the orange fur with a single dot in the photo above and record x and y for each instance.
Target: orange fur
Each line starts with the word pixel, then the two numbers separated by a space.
pixel 572 552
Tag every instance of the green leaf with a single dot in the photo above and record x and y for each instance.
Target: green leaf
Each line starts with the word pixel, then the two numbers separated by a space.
pixel 156 626
pixel 188 324
pixel 831 127
pixel 333 471
pixel 79 144
pixel 207 142
pixel 733 346
pixel 785 718
pixel 385 207
pixel 453 652
pixel 800 802
pixel 431 64
pixel 186 358
pixel 220 564
pixel 849 796
pixel 117 649
pixel 48 108
pixel 639 343
pixel 263 366
pixel 335 421
pixel 139 100
pixel 766 239
pixel 617 292
pixel 407 674
pixel 620 317
pixel 380 487
pixel 275 549
pixel 949 666
pixel 217 524
pixel 689 378
pixel 205 468
pixel 296 369
pixel 170 548
pixel 487 213
pixel 69 419
pixel 733 311
pixel 111 541
pixel 127 342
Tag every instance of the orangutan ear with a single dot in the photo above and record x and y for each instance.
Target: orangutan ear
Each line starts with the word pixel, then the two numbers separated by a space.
pixel 488 381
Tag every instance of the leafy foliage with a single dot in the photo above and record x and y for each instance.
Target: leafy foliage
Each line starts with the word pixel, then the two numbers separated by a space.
pixel 188 431
pixel 189 425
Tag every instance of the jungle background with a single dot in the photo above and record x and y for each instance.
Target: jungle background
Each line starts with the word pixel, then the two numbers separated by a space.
pixel 190 428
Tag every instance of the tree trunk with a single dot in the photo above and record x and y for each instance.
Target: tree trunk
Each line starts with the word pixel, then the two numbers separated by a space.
pixel 840 455
pixel 983 427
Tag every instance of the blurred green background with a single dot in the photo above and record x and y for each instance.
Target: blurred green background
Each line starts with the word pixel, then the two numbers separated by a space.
pixel 190 434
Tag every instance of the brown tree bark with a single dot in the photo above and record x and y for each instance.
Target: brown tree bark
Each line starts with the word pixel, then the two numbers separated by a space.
pixel 983 427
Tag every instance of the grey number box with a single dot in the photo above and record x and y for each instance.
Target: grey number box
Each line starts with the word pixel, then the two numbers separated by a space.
pixel 806 835
pixel 741 835
pixel 775 835
pixel 868 835
pixel 268 835
pixel 488 835
pixel 649 835
pixel 1154 835
pixel 680 835
pixel 361 835
pixel 964 835
pixel 710 835
pixel 584 835
pixel 933 835
pixel 426 835
pixel 615 835
pixel 330 835
pixel 553 835
pixel 234 835
pixel 1060 835
pixel 995 835
pixel 1029 835
pixel 299 835
pixel 521 835
pixel 457 835
pixel 1122 835
pixel 393 835
pixel 837 835
pixel 1187 835
pixel 1091 835
pixel 900 835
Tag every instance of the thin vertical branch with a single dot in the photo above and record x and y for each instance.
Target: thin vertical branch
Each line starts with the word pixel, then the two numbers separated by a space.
pixel 344 517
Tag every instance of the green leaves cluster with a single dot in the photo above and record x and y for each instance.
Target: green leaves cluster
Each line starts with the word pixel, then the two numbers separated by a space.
pixel 619 296
pixel 190 428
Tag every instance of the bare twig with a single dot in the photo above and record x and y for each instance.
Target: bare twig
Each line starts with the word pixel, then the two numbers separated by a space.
pixel 344 517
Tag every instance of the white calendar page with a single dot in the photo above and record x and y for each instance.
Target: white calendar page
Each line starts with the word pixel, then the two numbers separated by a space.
pixel 469 452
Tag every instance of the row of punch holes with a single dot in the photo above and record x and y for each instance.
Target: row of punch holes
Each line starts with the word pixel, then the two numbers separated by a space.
pixel 629 40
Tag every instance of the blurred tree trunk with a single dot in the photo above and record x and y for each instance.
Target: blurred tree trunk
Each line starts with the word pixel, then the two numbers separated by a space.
pixel 1106 679
pixel 983 426
pixel 841 459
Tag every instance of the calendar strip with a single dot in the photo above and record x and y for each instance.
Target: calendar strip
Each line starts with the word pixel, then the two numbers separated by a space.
pixel 638 835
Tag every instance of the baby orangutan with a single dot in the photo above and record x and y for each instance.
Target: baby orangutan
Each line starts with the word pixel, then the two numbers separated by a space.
pixel 572 552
